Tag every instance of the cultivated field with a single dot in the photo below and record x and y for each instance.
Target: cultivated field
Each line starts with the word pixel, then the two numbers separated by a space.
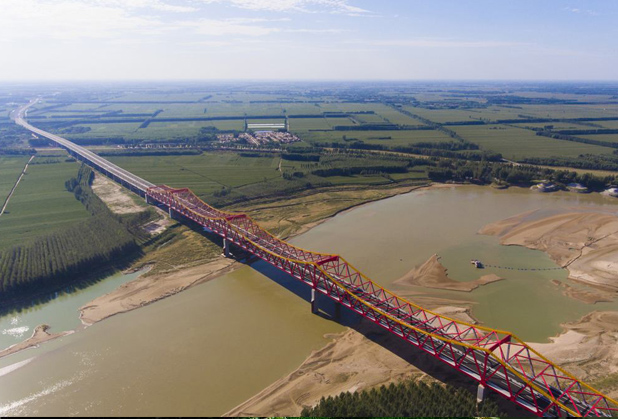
pixel 40 203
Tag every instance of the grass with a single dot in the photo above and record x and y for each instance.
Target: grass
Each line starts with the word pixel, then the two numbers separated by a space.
pixel 515 143
pixel 41 204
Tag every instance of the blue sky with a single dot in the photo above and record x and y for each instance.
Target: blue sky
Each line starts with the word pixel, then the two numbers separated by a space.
pixel 309 39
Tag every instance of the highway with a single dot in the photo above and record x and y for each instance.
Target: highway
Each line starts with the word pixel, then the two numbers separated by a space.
pixel 119 174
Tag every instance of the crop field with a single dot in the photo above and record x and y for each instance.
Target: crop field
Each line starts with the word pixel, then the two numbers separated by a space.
pixel 555 125
pixel 609 124
pixel 395 117
pixel 515 143
pixel 441 116
pixel 41 203
pixel 309 124
pixel 387 138
pixel 203 173
pixel 10 169
pixel 612 138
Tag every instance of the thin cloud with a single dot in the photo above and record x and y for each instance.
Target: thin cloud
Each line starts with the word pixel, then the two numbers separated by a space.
pixel 442 43
pixel 581 11
pixel 305 6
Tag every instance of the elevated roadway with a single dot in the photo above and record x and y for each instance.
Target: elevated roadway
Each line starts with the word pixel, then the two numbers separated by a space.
pixel 126 178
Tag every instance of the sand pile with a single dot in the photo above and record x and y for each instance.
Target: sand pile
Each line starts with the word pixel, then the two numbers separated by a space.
pixel 432 274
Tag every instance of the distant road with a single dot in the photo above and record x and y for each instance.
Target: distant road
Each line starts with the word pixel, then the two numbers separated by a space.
pixel 119 173
pixel 8 198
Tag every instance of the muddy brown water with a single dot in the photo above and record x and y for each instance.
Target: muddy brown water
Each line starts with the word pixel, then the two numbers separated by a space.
pixel 205 350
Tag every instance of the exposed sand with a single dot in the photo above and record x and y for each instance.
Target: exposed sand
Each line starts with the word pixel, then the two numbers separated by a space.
pixel 588 349
pixel 351 362
pixel 582 295
pixel 432 274
pixel 117 198
pixel 583 241
pixel 39 336
pixel 148 289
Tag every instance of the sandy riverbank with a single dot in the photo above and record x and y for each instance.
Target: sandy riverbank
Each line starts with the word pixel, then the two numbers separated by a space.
pixel 39 336
pixel 583 241
pixel 432 274
pixel 148 289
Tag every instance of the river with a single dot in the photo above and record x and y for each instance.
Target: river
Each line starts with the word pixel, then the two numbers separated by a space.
pixel 205 350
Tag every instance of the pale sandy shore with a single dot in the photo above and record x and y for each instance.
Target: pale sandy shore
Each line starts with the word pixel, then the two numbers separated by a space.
pixel 583 241
pixel 432 274
pixel 39 336
pixel 148 289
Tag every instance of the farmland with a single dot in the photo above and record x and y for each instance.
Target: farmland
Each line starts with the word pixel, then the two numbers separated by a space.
pixel 40 203
pixel 516 143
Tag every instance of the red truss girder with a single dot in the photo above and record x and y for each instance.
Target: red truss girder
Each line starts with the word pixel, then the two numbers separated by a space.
pixel 496 359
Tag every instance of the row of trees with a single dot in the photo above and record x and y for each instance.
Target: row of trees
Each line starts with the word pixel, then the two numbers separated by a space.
pixel 407 399
pixel 65 255
pixel 488 172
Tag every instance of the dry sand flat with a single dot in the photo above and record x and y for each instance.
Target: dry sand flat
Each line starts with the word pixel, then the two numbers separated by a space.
pixel 148 289
pixel 588 349
pixel 39 336
pixel 584 242
pixel 432 274
pixel 117 198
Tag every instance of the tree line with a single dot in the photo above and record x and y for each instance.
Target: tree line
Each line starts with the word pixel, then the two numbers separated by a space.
pixel 406 399
pixel 67 255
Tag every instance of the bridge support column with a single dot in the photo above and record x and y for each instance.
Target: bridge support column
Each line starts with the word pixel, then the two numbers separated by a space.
pixel 337 311
pixel 314 303
pixel 171 212
pixel 226 248
pixel 480 393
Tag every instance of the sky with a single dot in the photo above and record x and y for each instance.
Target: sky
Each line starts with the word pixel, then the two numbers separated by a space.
pixel 308 40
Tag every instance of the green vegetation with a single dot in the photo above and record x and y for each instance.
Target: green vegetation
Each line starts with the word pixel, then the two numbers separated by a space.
pixel 41 203
pixel 10 169
pixel 58 258
pixel 407 399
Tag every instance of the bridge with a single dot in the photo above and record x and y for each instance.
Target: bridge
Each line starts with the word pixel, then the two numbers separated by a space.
pixel 497 360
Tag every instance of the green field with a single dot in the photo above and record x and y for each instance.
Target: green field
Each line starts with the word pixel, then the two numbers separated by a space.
pixel 204 173
pixel 516 143
pixel 612 138
pixel 10 169
pixel 386 138
pixel 40 203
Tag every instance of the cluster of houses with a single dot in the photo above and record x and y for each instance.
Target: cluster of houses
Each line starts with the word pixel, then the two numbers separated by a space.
pixel 547 186
pixel 259 138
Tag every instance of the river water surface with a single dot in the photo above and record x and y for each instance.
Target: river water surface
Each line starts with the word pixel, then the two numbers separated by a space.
pixel 205 350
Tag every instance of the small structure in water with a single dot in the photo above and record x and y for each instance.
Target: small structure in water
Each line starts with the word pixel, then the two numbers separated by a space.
pixel 577 187
pixel 477 263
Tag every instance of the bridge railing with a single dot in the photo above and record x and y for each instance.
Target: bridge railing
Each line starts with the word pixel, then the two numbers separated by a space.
pixel 496 359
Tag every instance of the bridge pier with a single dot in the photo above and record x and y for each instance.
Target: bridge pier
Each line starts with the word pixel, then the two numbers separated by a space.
pixel 480 393
pixel 314 303
pixel 226 248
